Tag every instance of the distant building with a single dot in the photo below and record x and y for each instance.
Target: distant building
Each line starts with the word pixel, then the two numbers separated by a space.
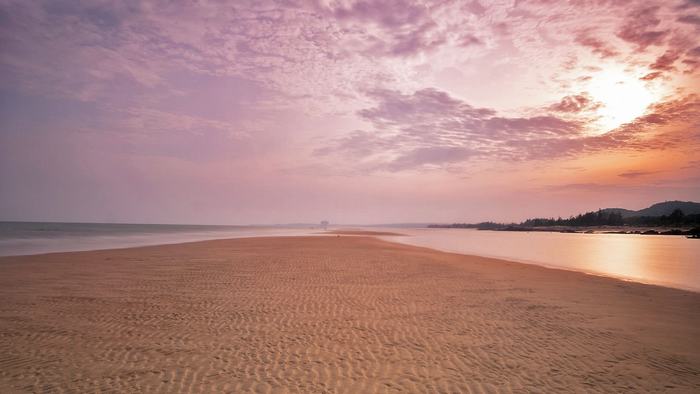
pixel 324 224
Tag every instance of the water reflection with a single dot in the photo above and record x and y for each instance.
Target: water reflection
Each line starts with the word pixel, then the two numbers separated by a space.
pixel 616 256
pixel 664 260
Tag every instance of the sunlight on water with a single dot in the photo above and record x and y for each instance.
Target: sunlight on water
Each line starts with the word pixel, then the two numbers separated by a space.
pixel 656 259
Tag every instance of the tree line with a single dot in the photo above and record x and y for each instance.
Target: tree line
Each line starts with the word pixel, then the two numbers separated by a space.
pixel 591 219
pixel 599 218
pixel 612 218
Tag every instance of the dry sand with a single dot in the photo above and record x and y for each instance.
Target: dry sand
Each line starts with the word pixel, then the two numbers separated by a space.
pixel 333 314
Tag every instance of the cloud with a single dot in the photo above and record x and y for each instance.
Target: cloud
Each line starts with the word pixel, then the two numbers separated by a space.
pixel 665 61
pixel 421 106
pixel 429 113
pixel 318 57
pixel 689 4
pixel 469 39
pixel 433 155
pixel 475 7
pixel 691 19
pixel 588 187
pixel 386 13
pixel 574 104
pixel 651 76
pixel 86 50
pixel 598 46
pixel 431 128
pixel 356 144
pixel 683 109
pixel 692 164
pixel 391 27
pixel 635 174
pixel 639 28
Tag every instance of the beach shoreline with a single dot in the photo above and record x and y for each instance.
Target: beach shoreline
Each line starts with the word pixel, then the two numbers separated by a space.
pixel 334 314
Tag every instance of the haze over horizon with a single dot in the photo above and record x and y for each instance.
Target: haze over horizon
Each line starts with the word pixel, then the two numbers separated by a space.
pixel 352 111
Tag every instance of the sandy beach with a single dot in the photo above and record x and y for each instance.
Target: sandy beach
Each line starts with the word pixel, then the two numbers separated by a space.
pixel 351 314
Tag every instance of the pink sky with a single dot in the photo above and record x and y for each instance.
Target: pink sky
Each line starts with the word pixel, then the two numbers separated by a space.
pixel 352 111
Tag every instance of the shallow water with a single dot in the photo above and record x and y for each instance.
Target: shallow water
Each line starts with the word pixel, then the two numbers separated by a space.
pixel 22 238
pixel 672 261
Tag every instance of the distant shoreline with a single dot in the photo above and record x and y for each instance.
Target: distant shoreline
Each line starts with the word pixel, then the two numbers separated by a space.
pixel 683 231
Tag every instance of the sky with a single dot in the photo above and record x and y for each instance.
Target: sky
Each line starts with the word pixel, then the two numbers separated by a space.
pixel 371 111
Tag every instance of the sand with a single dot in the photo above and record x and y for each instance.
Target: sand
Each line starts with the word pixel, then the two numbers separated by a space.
pixel 361 232
pixel 347 314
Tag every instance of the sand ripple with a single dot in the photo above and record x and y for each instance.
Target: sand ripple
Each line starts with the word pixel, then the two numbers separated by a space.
pixel 333 314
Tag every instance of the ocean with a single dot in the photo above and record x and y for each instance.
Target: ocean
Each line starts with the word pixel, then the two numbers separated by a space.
pixel 666 260
pixel 22 238
pixel 672 261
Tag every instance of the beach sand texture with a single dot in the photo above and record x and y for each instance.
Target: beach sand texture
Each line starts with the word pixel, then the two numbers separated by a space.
pixel 348 314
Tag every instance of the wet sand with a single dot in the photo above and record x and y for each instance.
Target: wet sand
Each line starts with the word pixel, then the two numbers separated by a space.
pixel 362 232
pixel 334 314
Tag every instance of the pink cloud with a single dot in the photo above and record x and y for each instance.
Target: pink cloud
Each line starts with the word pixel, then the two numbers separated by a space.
pixel 389 14
pixel 246 90
pixel 430 127
pixel 639 28
pixel 573 104
pixel 691 19
pixel 651 76
pixel 635 174
pixel 433 155
pixel 665 61
pixel 598 46
pixel 469 40
pixel 405 28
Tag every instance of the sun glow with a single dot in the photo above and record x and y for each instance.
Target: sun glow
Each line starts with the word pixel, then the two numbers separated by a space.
pixel 622 97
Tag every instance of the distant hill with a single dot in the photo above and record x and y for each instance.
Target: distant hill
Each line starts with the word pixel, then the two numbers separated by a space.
pixel 626 213
pixel 659 209
pixel 663 214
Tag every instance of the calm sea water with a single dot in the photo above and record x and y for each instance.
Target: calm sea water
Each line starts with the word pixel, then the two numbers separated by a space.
pixel 21 238
pixel 672 261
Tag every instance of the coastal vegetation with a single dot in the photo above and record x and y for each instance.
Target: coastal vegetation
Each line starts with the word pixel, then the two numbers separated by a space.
pixel 668 215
